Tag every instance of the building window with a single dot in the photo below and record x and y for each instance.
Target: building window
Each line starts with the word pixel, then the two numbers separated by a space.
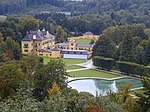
pixel 74 52
pixel 50 54
pixel 39 44
pixel 25 50
pixel 40 54
pixel 71 48
pixel 80 52
pixel 72 44
pixel 36 44
pixel 26 46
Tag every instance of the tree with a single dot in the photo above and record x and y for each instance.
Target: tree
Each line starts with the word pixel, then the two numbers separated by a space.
pixel 1 37
pixel 17 51
pixel 46 75
pixel 28 24
pixel 104 47
pixel 144 100
pixel 10 78
pixel 3 48
pixel 126 53
pixel 54 91
pixel 61 35
pixel 92 41
pixel 139 54
pixel 23 101
pixel 147 53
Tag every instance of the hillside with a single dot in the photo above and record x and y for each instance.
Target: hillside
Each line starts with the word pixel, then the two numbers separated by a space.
pixel 136 7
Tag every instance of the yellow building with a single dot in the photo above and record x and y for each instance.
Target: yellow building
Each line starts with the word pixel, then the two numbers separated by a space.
pixel 52 53
pixel 89 35
pixel 73 45
pixel 42 43
pixel 37 40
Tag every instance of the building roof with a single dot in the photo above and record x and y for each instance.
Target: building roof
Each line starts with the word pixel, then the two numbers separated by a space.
pixel 88 33
pixel 78 45
pixel 81 52
pixel 62 44
pixel 49 50
pixel 39 35
pixel 43 50
pixel 56 49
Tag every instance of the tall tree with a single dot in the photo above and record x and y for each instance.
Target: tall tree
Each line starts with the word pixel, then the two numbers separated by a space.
pixel 28 24
pixel 104 47
pixel 126 53
pixel 147 53
pixel 139 54
pixel 10 78
pixel 61 35
pixel 46 75
pixel 13 49
pixel 144 100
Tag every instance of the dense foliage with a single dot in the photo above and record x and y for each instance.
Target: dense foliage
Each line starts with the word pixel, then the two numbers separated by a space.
pixel 104 63
pixel 133 68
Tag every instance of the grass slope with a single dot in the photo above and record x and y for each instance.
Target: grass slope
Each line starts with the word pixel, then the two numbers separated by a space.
pixel 73 67
pixel 66 61
pixel 84 41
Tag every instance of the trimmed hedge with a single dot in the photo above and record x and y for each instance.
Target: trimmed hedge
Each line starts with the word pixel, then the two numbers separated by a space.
pixel 104 63
pixel 132 68
pixel 128 68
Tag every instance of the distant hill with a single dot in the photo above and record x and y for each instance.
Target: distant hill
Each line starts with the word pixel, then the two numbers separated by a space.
pixel 136 7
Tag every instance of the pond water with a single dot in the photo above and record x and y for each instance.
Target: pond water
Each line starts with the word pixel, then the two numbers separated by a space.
pixel 101 86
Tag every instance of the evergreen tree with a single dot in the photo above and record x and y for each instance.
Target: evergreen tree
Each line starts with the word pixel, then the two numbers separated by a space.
pixel 144 100
pixel 147 53
pixel 139 54
pixel 17 51
pixel 126 53
pixel 61 35
pixel 104 47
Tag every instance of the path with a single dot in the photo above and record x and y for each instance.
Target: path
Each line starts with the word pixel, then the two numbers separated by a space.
pixel 87 65
pixel 78 69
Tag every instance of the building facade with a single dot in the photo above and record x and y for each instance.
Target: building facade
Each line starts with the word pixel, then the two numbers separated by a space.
pixel 76 54
pixel 89 35
pixel 37 40
pixel 42 43
pixel 73 45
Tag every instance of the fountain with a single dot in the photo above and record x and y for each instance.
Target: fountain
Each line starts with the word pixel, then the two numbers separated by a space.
pixel 113 86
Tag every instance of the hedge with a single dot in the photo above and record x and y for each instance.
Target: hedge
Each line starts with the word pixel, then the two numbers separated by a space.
pixel 133 68
pixel 104 63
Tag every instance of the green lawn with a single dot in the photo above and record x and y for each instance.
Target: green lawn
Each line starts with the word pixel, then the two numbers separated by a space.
pixel 84 41
pixel 66 61
pixel 73 67
pixel 91 73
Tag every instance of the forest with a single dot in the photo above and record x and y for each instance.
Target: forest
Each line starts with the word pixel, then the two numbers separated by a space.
pixel 135 7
